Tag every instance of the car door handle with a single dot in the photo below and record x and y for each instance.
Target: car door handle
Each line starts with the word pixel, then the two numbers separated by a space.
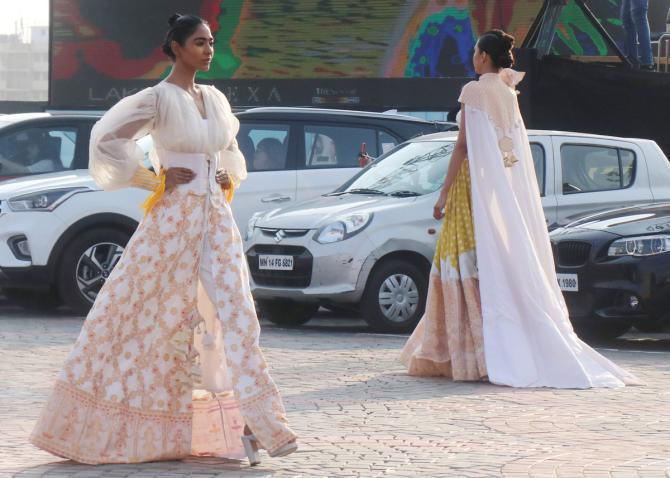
pixel 275 198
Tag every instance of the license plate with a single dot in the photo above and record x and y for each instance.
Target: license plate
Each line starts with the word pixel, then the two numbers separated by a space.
pixel 568 282
pixel 275 263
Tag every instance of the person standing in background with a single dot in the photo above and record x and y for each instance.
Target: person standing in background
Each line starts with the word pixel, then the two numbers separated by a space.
pixel 637 36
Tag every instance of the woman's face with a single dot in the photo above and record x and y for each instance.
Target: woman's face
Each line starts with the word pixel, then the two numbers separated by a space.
pixel 198 49
pixel 479 60
pixel 262 161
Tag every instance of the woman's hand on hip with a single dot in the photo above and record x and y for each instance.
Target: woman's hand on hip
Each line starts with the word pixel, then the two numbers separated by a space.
pixel 223 178
pixel 176 176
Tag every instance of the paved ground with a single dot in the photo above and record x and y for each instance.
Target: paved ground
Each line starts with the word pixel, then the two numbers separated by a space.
pixel 358 414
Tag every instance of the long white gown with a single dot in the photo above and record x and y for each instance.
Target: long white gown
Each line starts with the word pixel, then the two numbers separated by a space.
pixel 528 339
pixel 168 362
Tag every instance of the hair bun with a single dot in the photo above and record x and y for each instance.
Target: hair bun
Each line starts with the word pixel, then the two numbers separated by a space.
pixel 506 59
pixel 508 41
pixel 173 19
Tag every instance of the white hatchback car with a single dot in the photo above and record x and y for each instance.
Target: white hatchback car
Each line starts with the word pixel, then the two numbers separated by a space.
pixel 369 245
pixel 58 230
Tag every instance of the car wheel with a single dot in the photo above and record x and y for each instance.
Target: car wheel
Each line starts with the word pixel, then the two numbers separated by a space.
pixel 395 297
pixel 601 331
pixel 285 312
pixel 86 264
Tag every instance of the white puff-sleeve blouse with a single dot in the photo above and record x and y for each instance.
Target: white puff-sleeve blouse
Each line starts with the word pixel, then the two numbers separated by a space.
pixel 169 114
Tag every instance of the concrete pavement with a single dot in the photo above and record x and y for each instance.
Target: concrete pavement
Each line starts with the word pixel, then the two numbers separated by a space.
pixel 358 414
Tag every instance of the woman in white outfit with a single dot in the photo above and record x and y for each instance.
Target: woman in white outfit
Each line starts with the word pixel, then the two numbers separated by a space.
pixel 494 310
pixel 147 378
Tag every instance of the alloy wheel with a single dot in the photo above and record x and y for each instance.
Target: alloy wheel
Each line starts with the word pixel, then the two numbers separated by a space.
pixel 94 267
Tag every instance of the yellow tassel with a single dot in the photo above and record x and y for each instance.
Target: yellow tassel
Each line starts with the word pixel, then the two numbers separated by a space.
pixel 229 194
pixel 155 196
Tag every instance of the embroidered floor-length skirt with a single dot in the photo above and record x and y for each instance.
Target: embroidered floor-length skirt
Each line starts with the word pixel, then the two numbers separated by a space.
pixel 448 340
pixel 129 390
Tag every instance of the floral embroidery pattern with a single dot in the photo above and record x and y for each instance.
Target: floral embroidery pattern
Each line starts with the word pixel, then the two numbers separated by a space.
pixel 125 393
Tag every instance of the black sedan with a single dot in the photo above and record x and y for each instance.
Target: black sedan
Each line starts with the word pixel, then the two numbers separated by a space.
pixel 614 270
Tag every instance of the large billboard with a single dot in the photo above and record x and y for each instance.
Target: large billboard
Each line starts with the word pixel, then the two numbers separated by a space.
pixel 365 53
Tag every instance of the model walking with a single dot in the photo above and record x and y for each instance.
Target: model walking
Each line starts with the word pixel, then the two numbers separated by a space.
pixel 494 308
pixel 147 377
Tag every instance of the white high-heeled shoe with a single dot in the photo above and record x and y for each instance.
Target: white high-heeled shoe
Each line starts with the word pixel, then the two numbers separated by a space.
pixel 251 449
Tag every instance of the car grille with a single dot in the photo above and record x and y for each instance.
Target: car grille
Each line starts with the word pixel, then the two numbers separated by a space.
pixel 572 253
pixel 280 234
pixel 300 276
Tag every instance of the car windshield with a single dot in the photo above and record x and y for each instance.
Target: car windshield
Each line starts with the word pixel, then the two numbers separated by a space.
pixel 413 169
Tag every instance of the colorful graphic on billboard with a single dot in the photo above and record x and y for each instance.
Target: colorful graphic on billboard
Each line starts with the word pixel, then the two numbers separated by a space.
pixel 115 45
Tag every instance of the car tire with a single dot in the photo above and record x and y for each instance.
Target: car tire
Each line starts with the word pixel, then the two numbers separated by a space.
pixel 601 331
pixel 75 269
pixel 286 313
pixel 33 300
pixel 410 284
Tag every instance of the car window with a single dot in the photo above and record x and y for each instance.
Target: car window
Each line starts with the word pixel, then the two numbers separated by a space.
pixel 37 150
pixel 627 166
pixel 386 142
pixel 589 168
pixel 337 146
pixel 539 162
pixel 264 146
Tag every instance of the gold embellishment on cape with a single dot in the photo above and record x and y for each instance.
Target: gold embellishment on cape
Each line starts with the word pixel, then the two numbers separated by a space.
pixel 506 145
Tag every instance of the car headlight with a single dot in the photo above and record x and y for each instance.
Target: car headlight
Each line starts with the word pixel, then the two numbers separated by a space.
pixel 343 228
pixel 640 246
pixel 43 200
pixel 251 224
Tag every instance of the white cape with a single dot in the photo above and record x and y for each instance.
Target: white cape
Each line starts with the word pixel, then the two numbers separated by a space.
pixel 528 338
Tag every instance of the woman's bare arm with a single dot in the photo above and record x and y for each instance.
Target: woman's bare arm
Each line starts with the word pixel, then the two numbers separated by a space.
pixel 457 157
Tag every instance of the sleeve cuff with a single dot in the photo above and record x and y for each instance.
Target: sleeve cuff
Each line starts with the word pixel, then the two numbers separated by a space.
pixel 145 179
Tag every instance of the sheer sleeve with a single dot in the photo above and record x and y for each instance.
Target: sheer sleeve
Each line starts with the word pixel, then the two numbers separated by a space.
pixel 231 158
pixel 114 156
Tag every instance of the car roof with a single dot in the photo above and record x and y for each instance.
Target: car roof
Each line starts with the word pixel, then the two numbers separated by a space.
pixel 11 119
pixel 532 132
pixel 306 112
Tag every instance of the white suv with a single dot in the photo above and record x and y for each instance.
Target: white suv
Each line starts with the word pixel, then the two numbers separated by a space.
pixel 58 230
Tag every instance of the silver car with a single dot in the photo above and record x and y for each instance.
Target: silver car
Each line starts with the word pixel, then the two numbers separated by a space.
pixel 369 244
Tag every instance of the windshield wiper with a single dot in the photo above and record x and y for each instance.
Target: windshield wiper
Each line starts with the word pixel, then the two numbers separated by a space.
pixel 365 191
pixel 404 194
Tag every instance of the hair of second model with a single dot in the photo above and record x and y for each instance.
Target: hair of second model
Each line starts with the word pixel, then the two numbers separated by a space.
pixel 181 27
pixel 498 45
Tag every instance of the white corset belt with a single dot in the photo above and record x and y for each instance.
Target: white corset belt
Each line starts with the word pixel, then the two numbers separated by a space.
pixel 203 166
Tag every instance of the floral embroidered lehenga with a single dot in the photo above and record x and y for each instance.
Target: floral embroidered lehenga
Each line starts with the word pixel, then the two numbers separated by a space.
pixel 494 308
pixel 168 363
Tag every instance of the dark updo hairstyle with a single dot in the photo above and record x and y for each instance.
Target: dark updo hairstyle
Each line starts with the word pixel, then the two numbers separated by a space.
pixel 181 27
pixel 498 45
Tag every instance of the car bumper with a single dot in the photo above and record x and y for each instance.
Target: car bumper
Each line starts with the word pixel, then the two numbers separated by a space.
pixel 608 289
pixel 38 229
pixel 322 272
pixel 32 277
